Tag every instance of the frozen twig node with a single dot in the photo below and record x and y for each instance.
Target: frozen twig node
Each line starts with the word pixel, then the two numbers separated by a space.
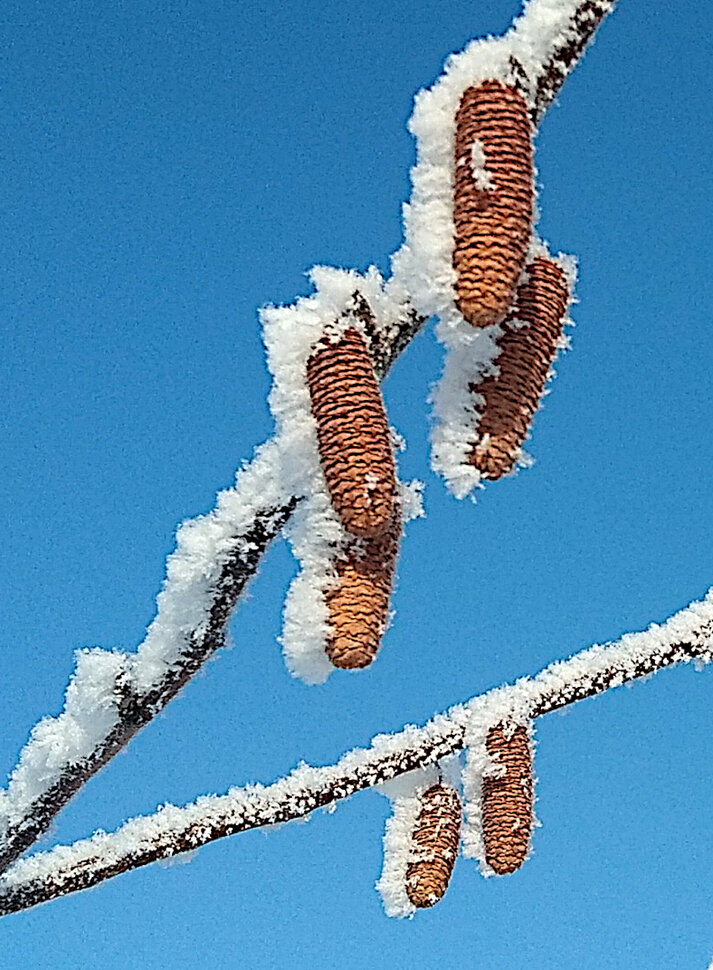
pixel 528 346
pixel 358 604
pixel 435 841
pixel 507 798
pixel 493 201
pixel 352 433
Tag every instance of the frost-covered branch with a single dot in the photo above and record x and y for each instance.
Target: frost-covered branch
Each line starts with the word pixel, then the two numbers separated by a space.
pixel 113 695
pixel 686 636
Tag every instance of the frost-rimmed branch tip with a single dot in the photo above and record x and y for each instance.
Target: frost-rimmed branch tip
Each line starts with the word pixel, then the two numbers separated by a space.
pixel 113 695
pixel 686 636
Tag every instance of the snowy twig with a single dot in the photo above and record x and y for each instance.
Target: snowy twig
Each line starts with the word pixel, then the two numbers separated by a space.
pixel 686 636
pixel 113 695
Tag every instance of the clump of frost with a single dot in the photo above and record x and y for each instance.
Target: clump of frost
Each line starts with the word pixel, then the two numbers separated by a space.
pixel 291 335
pixel 482 177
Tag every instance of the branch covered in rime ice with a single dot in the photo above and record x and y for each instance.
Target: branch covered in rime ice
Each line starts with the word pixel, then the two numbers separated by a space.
pixel 112 695
pixel 686 636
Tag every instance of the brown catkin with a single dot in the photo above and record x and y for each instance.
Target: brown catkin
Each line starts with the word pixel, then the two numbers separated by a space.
pixel 358 605
pixel 436 837
pixel 493 223
pixel 353 434
pixel 527 350
pixel 507 800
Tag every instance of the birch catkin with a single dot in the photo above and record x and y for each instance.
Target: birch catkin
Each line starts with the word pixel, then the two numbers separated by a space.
pixel 436 837
pixel 494 198
pixel 507 799
pixel 528 347
pixel 353 434
pixel 358 605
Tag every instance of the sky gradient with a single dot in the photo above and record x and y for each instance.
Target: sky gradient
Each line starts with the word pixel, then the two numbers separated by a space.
pixel 167 169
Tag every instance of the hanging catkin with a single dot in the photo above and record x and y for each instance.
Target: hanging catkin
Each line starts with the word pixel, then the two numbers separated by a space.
pixel 507 798
pixel 494 198
pixel 358 604
pixel 353 434
pixel 436 837
pixel 528 347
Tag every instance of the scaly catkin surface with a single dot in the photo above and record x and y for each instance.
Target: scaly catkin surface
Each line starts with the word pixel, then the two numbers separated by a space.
pixel 353 434
pixel 492 225
pixel 436 837
pixel 526 354
pixel 359 604
pixel 507 801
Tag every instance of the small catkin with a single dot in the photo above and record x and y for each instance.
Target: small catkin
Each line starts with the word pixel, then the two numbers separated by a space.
pixel 358 605
pixel 493 208
pixel 353 434
pixel 528 347
pixel 507 799
pixel 436 837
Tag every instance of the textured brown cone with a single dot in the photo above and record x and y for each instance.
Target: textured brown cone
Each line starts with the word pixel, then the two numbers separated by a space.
pixel 359 603
pixel 353 434
pixel 492 225
pixel 526 354
pixel 507 801
pixel 436 837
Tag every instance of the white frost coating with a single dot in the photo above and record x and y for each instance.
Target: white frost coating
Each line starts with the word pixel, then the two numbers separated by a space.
pixel 183 608
pixel 424 264
pixel 316 534
pixel 479 765
pixel 89 714
pixel 192 571
pixel 177 829
pixel 470 357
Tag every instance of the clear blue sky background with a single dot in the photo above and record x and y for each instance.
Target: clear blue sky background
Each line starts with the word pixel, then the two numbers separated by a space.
pixel 166 169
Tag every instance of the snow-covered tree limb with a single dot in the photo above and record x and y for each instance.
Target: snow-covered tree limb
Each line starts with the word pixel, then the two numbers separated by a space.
pixel 113 695
pixel 686 636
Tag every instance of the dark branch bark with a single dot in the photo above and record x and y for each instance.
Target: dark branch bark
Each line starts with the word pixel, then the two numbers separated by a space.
pixel 586 21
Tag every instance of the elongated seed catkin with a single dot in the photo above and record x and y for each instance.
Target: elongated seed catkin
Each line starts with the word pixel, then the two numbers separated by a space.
pixel 527 350
pixel 358 605
pixel 507 800
pixel 353 434
pixel 494 199
pixel 436 837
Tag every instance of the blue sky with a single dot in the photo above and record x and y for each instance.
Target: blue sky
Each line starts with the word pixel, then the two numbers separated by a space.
pixel 168 168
